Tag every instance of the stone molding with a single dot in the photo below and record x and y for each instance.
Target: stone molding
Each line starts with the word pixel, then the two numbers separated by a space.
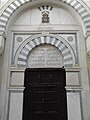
pixel 22 69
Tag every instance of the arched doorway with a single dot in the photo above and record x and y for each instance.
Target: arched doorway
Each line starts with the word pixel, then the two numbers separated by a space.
pixel 45 81
pixel 61 31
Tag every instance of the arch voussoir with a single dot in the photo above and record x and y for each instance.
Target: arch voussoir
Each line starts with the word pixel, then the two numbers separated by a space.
pixel 69 60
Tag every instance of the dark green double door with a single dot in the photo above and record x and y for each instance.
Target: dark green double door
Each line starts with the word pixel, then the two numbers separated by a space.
pixel 45 95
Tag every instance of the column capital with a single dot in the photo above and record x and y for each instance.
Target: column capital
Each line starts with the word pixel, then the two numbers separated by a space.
pixel 86 36
pixel 2 34
pixel 2 41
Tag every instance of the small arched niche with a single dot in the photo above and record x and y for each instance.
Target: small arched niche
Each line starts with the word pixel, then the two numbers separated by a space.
pixel 45 56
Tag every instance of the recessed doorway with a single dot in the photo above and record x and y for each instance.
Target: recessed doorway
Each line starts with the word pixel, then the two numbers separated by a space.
pixel 45 94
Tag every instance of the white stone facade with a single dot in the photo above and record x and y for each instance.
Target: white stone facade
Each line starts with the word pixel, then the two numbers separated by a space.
pixel 27 42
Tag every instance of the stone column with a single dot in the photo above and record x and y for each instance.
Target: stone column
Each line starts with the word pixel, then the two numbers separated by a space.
pixel 85 94
pixel 2 42
pixel 82 50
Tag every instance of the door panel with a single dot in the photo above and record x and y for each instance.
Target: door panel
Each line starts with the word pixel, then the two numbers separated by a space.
pixel 45 95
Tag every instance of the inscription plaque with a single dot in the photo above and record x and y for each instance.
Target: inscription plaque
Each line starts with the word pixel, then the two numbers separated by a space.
pixel 45 56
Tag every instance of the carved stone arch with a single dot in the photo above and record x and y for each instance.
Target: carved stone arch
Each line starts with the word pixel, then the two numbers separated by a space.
pixel 57 41
pixel 80 7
